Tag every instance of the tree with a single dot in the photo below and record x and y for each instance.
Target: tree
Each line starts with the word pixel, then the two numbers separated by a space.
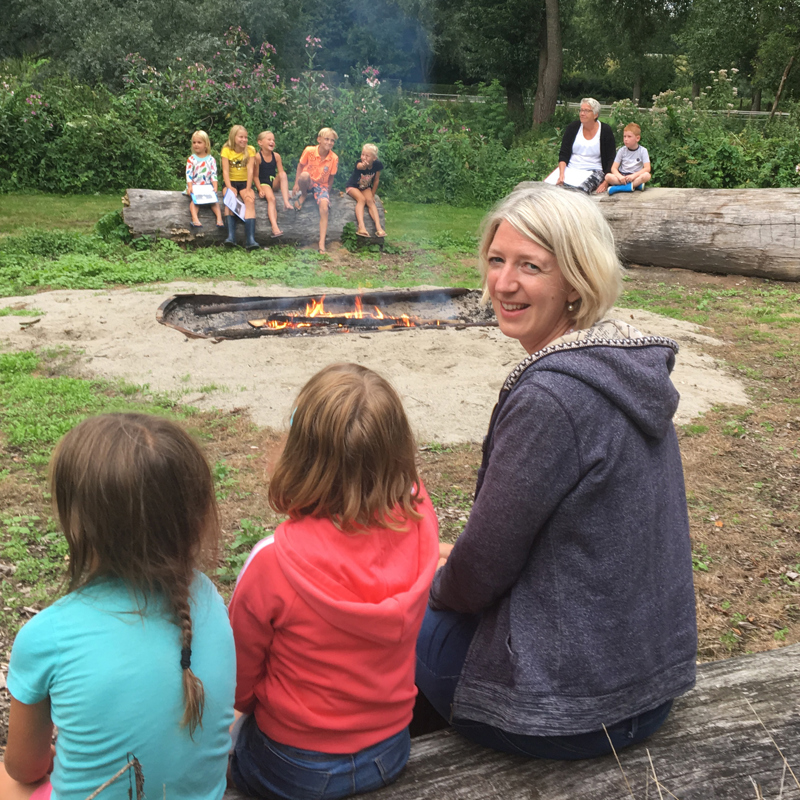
pixel 551 64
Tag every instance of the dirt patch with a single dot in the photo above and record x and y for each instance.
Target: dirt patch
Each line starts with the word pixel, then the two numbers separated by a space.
pixel 448 379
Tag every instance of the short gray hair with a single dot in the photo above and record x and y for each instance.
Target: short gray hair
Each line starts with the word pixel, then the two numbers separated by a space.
pixel 590 101
pixel 569 225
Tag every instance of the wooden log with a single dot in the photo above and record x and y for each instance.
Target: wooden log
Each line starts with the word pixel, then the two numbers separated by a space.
pixel 712 747
pixel 148 212
pixel 752 232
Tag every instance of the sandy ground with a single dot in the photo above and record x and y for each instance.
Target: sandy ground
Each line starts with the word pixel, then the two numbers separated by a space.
pixel 449 379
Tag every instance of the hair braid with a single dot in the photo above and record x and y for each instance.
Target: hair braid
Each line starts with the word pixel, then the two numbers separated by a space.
pixel 193 692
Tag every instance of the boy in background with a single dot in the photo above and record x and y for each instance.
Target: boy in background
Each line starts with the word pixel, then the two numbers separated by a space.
pixel 631 167
pixel 315 174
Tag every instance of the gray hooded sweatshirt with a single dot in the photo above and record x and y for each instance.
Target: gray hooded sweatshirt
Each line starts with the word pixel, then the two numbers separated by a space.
pixel 577 553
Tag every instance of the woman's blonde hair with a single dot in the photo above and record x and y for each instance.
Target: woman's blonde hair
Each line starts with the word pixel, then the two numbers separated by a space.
pixel 135 499
pixel 204 137
pixel 350 454
pixel 231 143
pixel 569 225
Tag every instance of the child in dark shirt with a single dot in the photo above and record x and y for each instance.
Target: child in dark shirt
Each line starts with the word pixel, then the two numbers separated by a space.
pixel 362 186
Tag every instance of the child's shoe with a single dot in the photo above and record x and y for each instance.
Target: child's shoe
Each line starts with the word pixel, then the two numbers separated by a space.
pixel 640 187
pixel 250 242
pixel 625 187
pixel 230 221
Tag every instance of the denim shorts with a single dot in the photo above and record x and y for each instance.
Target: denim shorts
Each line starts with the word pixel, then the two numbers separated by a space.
pixel 265 768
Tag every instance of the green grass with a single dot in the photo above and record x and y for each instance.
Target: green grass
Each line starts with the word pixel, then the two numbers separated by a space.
pixel 412 222
pixel 38 210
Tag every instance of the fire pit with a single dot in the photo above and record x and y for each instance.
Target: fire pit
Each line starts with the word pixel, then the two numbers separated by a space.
pixel 211 316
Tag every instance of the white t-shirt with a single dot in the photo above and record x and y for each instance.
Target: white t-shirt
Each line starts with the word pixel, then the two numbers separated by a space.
pixel 586 152
pixel 631 161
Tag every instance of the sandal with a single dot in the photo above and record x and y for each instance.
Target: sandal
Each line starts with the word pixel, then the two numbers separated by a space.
pixel 363 233
pixel 277 235
pixel 380 233
pixel 196 224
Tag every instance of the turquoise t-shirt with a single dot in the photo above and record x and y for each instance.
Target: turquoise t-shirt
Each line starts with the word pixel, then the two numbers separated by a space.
pixel 115 685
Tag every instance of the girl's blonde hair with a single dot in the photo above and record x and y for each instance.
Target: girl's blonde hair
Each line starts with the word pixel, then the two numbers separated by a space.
pixel 263 134
pixel 350 454
pixel 569 225
pixel 135 499
pixel 204 136
pixel 371 148
pixel 231 143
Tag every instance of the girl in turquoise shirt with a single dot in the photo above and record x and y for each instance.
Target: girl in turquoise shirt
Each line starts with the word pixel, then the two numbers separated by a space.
pixel 138 657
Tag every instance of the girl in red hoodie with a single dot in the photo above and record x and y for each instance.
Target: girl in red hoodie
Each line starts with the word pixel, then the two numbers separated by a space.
pixel 326 612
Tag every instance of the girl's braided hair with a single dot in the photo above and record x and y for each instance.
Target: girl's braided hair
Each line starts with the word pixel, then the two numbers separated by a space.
pixel 135 498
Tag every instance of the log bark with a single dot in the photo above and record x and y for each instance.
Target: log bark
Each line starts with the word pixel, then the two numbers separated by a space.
pixel 752 232
pixel 147 212
pixel 711 747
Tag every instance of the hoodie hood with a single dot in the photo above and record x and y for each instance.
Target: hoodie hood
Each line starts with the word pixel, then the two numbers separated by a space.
pixel 630 368
pixel 371 584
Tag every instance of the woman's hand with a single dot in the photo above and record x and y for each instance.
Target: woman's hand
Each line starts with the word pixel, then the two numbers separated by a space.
pixel 601 188
pixel 444 553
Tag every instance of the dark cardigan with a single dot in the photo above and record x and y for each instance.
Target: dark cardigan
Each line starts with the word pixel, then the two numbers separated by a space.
pixel 608 147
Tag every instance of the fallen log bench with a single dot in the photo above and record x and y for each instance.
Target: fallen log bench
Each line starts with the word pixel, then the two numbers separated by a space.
pixel 712 747
pixel 754 232
pixel 149 212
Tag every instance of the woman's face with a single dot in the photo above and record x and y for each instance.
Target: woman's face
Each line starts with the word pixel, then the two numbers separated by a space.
pixel 587 116
pixel 528 291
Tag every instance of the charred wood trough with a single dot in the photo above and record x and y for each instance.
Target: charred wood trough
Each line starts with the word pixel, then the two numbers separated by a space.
pixel 211 316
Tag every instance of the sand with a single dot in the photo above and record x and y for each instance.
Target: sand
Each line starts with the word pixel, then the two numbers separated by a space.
pixel 448 379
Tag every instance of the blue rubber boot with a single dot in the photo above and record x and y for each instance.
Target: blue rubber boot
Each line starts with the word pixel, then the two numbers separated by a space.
pixel 250 242
pixel 230 221
pixel 625 187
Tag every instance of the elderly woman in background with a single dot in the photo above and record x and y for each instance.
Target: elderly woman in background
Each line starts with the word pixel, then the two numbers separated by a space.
pixel 587 151
pixel 566 607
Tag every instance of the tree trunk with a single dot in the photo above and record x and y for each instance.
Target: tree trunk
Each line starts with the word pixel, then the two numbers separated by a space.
pixel 637 89
pixel 733 231
pixel 695 89
pixel 756 105
pixel 515 102
pixel 549 73
pixel 155 213
pixel 712 745
pixel 780 88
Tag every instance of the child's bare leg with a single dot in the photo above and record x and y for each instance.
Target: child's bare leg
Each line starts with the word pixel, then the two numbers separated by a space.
pixel 217 214
pixel 303 184
pixel 614 180
pixel 285 191
pixel 248 197
pixel 361 201
pixel 640 179
pixel 193 212
pixel 373 212
pixel 323 223
pixel 272 210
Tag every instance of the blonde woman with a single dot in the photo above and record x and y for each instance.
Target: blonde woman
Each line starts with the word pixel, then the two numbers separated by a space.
pixel 566 607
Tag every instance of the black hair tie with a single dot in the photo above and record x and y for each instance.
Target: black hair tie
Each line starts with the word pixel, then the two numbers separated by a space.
pixel 186 658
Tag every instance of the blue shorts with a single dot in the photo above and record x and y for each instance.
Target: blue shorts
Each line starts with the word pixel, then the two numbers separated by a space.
pixel 265 768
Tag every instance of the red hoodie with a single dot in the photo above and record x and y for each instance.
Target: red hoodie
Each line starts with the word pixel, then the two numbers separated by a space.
pixel 326 625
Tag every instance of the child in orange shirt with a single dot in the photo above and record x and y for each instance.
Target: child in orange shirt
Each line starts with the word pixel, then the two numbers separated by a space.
pixel 315 174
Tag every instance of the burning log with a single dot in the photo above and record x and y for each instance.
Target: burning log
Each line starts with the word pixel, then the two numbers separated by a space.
pixel 148 212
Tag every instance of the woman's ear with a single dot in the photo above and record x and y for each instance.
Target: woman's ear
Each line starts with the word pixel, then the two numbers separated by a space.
pixel 572 295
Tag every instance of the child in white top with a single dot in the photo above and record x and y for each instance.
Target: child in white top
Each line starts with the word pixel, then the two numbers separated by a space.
pixel 201 170
pixel 631 167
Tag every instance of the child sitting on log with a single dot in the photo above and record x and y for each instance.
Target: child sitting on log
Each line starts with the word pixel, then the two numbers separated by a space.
pixel 201 170
pixel 315 172
pixel 631 167
pixel 363 187
pixel 269 172
pixel 326 612
pixel 238 160
pixel 137 659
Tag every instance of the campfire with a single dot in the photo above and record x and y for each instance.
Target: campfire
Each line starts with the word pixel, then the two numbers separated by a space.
pixel 216 316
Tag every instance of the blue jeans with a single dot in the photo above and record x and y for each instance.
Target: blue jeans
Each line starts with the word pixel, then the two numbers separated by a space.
pixel 265 768
pixel 441 652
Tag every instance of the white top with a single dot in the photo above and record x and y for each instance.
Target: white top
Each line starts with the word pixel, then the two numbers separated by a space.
pixel 586 152
pixel 631 160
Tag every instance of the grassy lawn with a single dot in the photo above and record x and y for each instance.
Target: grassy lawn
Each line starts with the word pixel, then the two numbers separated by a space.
pixel 36 210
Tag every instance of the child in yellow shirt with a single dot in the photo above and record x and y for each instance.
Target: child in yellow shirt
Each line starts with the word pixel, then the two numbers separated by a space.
pixel 238 161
